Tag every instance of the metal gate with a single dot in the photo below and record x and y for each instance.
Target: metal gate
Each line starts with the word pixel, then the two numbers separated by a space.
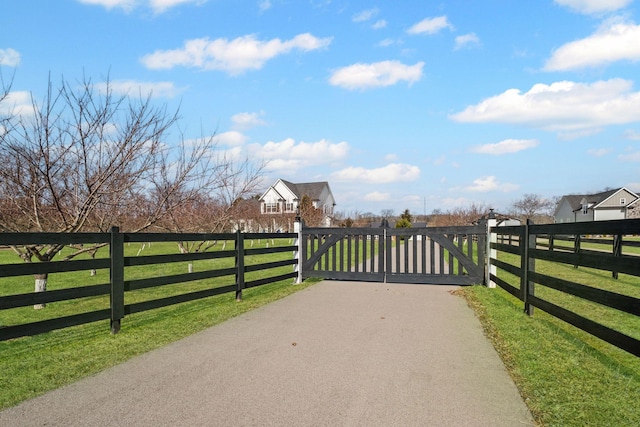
pixel 433 255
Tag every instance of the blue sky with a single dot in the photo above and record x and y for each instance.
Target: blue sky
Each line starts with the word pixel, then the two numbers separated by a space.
pixel 398 105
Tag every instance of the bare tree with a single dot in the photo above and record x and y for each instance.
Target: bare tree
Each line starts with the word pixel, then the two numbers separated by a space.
pixel 387 213
pixel 532 205
pixel 213 212
pixel 88 159
pixel 311 215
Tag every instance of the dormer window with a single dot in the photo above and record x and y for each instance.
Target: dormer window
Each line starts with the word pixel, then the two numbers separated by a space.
pixel 585 208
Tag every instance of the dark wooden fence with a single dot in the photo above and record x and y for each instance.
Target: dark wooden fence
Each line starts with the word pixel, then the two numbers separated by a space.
pixel 239 257
pixel 592 247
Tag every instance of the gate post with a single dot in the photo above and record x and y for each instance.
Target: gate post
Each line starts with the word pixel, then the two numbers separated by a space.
pixel 491 253
pixel 297 254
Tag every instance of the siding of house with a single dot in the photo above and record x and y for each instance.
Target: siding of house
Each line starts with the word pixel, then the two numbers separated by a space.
pixel 615 200
pixel 564 213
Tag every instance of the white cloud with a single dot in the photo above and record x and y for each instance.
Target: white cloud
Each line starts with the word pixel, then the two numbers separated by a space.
pixel 135 88
pixel 379 24
pixel 562 106
pixel 632 135
pixel 248 120
pixel 9 57
pixel 158 6
pixel 17 104
pixel 594 6
pixel 430 26
pixel 377 74
pixel 614 41
pixel 232 138
pixel 506 147
pixel 394 172
pixel 365 15
pixel 388 42
pixel 264 5
pixel 576 134
pixel 490 183
pixel 466 40
pixel 377 196
pixel 631 157
pixel 289 155
pixel 232 56
pixel 126 5
pixel 599 152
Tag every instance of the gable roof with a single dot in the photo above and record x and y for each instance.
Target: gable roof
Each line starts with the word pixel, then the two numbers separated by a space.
pixel 311 189
pixel 575 200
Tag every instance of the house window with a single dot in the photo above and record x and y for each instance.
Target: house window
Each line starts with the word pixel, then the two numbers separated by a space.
pixel 288 207
pixel 623 201
pixel 585 209
pixel 271 208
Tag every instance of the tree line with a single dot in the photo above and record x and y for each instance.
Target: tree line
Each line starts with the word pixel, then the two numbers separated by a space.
pixel 530 206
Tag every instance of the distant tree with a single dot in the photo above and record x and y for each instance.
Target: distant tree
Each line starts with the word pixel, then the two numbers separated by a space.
pixel 348 223
pixel 387 213
pixel 459 216
pixel 406 215
pixel 532 205
pixel 403 223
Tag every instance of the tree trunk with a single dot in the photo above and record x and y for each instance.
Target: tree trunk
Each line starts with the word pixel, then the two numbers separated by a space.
pixel 41 286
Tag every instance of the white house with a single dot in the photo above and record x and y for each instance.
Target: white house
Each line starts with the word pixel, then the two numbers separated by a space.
pixel 284 197
pixel 607 205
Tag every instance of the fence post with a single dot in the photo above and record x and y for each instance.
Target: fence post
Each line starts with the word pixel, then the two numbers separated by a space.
pixel 297 254
pixel 239 265
pixel 490 253
pixel 116 273
pixel 617 251
pixel 527 264
pixel 576 246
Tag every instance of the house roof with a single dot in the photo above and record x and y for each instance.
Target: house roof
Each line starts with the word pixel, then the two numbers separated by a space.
pixel 311 189
pixel 575 200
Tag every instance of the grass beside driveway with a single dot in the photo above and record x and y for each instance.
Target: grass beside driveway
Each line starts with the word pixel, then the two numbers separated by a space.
pixel 567 377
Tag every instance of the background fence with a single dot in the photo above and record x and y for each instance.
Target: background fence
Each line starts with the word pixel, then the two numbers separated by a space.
pixel 586 274
pixel 132 280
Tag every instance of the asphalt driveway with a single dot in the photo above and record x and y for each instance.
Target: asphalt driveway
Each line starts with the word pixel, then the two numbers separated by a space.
pixel 334 354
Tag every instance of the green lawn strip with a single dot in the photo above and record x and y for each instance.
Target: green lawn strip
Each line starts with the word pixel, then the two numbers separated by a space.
pixel 567 377
pixel 34 365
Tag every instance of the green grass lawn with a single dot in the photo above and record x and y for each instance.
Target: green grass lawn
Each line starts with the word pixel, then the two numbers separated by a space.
pixel 34 365
pixel 567 377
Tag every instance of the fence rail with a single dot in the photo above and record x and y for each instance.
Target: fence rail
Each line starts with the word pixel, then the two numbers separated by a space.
pixel 531 255
pixel 120 285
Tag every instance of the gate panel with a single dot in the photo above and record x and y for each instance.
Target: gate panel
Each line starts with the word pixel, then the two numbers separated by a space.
pixel 437 255
pixel 343 253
